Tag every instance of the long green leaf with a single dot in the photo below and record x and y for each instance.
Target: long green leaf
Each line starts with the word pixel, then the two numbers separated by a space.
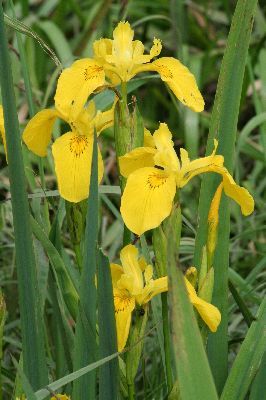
pixel 223 126
pixel 248 359
pixel 85 338
pixel 108 374
pixel 258 386
pixel 25 382
pixel 22 28
pixel 31 320
pixel 63 279
pixel 58 40
pixel 193 371
pixel 42 393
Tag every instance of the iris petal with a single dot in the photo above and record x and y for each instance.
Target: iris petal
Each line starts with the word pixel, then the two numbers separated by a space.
pixel 73 155
pixel 147 199
pixel 38 132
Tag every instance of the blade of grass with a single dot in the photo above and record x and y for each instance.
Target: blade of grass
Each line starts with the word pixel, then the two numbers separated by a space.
pixel 248 359
pixel 193 371
pixel 85 338
pixel 42 393
pixel 108 373
pixel 248 317
pixel 25 382
pixel 223 126
pixel 22 28
pixel 258 386
pixel 31 320
pixel 58 40
pixel 64 282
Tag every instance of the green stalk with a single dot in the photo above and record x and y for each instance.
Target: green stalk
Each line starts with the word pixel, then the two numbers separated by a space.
pixel 129 132
pixel 223 127
pixel 2 323
pixel 167 347
pixel 131 392
pixel 31 319
pixel 160 251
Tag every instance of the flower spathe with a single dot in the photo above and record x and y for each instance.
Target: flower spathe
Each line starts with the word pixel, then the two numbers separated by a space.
pixel 119 60
pixel 72 151
pixel 154 174
pixel 133 285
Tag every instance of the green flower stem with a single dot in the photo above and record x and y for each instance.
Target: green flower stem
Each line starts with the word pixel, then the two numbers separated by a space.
pixel 122 139
pixel 129 133
pixel 131 392
pixel 167 347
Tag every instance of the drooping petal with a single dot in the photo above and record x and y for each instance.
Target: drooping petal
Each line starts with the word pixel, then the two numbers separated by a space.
pixel 153 288
pixel 124 305
pixel 136 159
pixel 129 259
pixel 147 199
pixel 179 79
pixel 2 128
pixel 239 194
pixel 197 167
pixel 75 84
pixel 60 397
pixel 73 155
pixel 208 312
pixel 38 132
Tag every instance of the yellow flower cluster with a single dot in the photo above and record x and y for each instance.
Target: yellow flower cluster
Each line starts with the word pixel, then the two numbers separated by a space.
pixel 154 173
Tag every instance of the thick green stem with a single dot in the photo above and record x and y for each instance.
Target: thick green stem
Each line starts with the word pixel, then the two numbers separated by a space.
pixel 167 348
pixel 131 392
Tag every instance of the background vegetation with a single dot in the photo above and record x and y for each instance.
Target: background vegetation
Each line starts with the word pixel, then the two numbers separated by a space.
pixel 195 32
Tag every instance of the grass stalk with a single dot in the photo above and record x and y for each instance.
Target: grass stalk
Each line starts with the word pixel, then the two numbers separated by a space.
pixel 223 127
pixel 167 347
pixel 34 362
pixel 85 338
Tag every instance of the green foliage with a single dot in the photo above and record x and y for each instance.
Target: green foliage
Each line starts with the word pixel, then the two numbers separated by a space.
pixel 58 313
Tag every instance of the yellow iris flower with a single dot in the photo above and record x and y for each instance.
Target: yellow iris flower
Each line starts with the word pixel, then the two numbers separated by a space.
pixel 72 151
pixel 133 286
pixel 2 128
pixel 154 174
pixel 119 60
